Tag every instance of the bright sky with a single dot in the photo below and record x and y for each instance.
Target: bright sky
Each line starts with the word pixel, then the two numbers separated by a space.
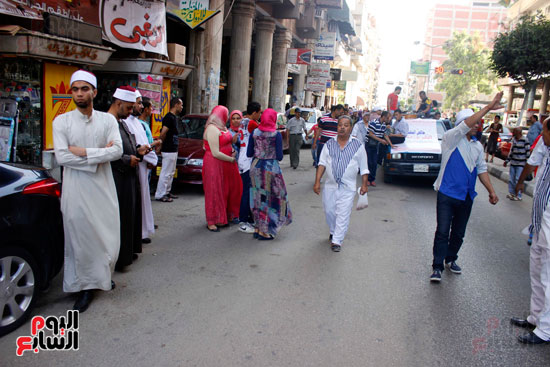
pixel 400 23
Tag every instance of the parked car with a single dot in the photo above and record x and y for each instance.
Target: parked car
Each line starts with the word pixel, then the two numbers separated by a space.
pixel 32 247
pixel 310 115
pixel 505 135
pixel 420 162
pixel 191 148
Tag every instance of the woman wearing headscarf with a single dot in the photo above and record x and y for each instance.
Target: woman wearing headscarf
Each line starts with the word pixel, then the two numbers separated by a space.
pixel 269 202
pixel 220 174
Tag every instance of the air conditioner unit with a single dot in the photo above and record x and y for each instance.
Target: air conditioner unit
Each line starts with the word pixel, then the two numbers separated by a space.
pixel 319 13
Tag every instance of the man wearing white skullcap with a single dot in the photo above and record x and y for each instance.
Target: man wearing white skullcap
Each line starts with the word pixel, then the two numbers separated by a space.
pixel 461 163
pixel 136 128
pixel 126 178
pixel 85 142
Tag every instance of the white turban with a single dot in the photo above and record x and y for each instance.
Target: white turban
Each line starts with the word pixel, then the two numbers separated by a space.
pixel 126 94
pixel 138 94
pixel 463 115
pixel 84 76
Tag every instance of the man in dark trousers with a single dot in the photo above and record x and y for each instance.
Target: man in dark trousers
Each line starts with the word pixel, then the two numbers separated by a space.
pixel 126 179
pixel 168 135
pixel 461 163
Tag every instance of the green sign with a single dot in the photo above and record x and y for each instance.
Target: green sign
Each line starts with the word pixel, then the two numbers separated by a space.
pixel 420 68
pixel 340 85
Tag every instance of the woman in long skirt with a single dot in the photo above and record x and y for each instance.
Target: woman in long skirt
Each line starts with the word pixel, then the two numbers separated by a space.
pixel 268 197
pixel 220 175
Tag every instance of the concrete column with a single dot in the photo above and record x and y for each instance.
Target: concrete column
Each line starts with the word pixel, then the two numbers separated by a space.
pixel 299 85
pixel 212 56
pixel 544 98
pixel 265 27
pixel 279 72
pixel 239 54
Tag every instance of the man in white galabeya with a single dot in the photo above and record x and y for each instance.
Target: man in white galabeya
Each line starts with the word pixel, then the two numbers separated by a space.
pixel 85 141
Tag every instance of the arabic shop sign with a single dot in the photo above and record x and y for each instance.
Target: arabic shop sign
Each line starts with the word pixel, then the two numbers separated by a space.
pixel 138 24
pixel 317 84
pixel 320 70
pixel 300 56
pixel 83 10
pixel 420 68
pixel 191 12
pixel 325 46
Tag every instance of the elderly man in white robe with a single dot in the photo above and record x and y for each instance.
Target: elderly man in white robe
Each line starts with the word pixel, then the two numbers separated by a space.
pixel 539 259
pixel 342 158
pixel 136 128
pixel 85 142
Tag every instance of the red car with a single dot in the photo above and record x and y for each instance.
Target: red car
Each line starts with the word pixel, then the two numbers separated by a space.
pixel 191 149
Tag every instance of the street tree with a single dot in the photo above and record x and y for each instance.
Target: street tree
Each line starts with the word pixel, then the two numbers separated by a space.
pixel 469 53
pixel 521 54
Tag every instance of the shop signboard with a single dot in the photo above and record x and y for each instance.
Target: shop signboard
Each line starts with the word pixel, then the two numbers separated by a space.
pixel 334 4
pixel 340 85
pixel 349 75
pixel 156 119
pixel 86 11
pixel 135 24
pixel 335 74
pixel 191 12
pixel 320 70
pixel 57 96
pixel 150 86
pixel 420 67
pixel 170 70
pixel 54 48
pixel 317 84
pixel 301 56
pixel 325 46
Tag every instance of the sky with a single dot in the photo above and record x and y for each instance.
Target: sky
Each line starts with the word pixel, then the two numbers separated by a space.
pixel 400 23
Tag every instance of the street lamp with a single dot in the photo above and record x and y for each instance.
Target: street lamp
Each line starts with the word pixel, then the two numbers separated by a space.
pixel 430 62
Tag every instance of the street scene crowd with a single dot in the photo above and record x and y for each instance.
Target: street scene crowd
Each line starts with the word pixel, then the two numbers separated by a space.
pixel 107 159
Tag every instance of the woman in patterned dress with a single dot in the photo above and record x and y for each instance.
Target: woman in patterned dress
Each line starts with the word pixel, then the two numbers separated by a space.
pixel 268 197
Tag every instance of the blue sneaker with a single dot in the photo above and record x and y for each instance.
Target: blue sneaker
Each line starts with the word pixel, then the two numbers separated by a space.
pixel 436 276
pixel 453 267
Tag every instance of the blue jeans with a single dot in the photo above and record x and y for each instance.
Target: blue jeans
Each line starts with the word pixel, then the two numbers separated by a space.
pixel 372 160
pixel 515 172
pixel 452 218
pixel 314 156
pixel 245 214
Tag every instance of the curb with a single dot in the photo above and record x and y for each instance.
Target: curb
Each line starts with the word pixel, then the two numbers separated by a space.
pixel 503 174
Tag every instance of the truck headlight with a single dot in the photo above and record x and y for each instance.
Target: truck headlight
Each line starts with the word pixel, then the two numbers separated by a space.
pixel 396 156
pixel 194 162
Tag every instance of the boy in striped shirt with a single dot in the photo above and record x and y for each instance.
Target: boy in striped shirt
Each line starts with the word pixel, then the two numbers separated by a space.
pixel 376 135
pixel 519 152
pixel 327 127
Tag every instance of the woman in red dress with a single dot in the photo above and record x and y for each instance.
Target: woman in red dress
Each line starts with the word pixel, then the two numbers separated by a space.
pixel 220 175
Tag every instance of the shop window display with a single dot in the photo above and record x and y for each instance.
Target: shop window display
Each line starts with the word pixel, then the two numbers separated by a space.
pixel 20 82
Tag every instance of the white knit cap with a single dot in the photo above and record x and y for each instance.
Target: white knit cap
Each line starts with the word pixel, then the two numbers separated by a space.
pixel 138 94
pixel 463 115
pixel 126 94
pixel 84 76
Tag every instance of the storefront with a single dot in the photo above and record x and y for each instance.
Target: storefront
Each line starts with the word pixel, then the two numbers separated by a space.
pixel 35 71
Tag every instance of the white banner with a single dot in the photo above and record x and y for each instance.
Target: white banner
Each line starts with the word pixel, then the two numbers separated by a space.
pixel 319 69
pixel 317 84
pixel 422 138
pixel 325 46
pixel 138 24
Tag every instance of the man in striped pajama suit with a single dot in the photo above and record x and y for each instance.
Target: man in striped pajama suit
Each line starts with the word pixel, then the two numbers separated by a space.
pixel 341 157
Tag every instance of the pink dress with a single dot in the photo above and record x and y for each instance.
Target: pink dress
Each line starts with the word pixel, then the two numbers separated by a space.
pixel 221 183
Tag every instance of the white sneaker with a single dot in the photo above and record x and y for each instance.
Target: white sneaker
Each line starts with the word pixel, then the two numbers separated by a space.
pixel 246 227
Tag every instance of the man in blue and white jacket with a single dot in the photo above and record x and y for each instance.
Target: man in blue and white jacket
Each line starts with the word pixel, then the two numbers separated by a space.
pixel 461 163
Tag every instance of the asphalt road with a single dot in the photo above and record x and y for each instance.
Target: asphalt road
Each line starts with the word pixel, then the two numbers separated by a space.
pixel 196 298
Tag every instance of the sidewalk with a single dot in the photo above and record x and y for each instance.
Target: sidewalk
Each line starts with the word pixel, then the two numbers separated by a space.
pixel 497 170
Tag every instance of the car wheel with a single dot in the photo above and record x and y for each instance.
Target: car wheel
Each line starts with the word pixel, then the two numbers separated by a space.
pixel 19 284
pixel 388 178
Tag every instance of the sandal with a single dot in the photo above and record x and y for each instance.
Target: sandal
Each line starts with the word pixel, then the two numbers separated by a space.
pixel 335 248
pixel 263 238
pixel 212 229
pixel 172 196
pixel 165 199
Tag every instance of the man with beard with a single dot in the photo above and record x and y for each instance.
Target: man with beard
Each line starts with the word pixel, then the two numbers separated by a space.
pixel 126 178
pixel 85 141
pixel 136 128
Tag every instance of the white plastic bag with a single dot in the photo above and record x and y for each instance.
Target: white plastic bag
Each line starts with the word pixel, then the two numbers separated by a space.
pixel 362 201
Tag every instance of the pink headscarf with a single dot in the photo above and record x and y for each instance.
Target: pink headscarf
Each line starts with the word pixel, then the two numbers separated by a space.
pixel 218 118
pixel 269 120
pixel 236 112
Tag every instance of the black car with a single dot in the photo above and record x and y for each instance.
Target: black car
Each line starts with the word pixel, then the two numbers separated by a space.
pixel 31 249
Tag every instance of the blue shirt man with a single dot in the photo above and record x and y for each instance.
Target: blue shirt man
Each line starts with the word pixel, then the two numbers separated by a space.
pixel 461 163
pixel 534 130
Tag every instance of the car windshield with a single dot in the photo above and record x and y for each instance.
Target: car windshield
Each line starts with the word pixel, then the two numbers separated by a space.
pixel 440 129
pixel 191 128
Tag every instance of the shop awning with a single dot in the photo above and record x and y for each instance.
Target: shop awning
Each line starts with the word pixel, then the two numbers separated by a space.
pixel 167 69
pixel 22 42
pixel 343 18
